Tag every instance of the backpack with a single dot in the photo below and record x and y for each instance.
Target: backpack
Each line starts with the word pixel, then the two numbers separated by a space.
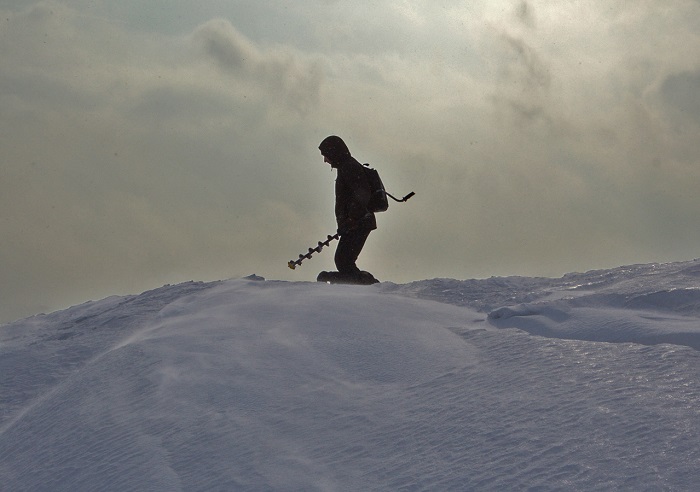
pixel 378 201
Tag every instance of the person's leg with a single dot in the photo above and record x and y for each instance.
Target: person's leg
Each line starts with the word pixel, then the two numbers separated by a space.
pixel 349 248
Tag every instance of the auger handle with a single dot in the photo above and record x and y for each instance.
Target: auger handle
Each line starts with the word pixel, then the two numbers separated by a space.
pixel 403 199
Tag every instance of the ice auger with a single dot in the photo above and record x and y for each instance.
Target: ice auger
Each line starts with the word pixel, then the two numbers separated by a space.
pixel 379 189
pixel 293 263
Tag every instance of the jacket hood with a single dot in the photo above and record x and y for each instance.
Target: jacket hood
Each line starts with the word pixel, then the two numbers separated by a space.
pixel 334 148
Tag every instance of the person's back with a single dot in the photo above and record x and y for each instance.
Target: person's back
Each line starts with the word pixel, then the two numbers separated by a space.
pixel 352 195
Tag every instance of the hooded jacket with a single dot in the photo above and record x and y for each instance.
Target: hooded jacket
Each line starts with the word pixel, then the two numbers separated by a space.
pixel 352 191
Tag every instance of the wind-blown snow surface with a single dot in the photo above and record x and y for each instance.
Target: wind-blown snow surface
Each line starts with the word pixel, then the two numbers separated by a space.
pixel 497 384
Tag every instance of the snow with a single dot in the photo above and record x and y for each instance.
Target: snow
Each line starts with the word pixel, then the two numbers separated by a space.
pixel 586 382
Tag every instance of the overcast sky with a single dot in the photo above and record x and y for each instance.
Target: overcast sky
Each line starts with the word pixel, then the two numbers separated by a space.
pixel 159 141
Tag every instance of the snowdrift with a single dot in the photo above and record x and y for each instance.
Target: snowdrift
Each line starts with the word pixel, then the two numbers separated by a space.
pixel 247 384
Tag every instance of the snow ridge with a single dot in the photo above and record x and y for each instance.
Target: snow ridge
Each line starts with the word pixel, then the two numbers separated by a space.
pixel 248 384
pixel 648 304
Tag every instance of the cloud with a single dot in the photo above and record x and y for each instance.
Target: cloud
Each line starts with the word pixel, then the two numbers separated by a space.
pixel 682 92
pixel 129 162
pixel 220 40
pixel 540 137
pixel 525 82
pixel 525 13
pixel 280 71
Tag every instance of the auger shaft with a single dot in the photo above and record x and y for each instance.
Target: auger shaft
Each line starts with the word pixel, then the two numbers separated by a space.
pixel 294 263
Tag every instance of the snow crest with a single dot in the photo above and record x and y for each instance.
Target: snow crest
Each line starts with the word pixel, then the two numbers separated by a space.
pixel 248 384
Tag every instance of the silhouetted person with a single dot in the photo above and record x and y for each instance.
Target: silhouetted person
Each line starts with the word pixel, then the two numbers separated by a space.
pixel 355 222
